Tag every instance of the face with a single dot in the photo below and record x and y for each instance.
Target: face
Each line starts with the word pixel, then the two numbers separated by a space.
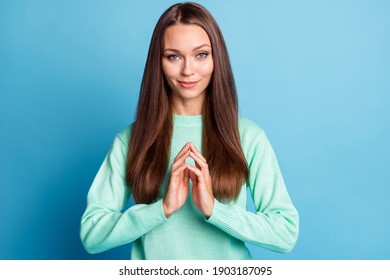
pixel 187 62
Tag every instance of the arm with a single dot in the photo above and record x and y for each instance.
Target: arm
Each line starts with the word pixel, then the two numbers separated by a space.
pixel 274 226
pixel 103 225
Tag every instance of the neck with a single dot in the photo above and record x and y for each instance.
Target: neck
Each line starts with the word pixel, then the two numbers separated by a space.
pixel 189 107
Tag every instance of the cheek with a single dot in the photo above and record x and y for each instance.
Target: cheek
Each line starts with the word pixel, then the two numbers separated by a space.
pixel 169 70
pixel 206 69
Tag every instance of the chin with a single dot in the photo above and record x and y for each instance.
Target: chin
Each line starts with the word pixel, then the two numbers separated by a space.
pixel 190 94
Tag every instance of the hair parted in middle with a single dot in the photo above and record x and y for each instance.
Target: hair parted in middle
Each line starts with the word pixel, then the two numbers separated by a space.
pixel 150 139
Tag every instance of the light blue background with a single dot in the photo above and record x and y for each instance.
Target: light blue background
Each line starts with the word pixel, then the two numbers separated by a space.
pixel 314 74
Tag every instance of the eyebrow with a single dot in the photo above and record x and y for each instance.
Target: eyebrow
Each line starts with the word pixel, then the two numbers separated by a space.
pixel 194 49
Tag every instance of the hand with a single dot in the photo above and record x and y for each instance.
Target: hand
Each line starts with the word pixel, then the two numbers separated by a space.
pixel 202 192
pixel 178 187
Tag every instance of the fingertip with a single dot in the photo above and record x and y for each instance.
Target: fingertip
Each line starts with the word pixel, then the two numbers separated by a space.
pixel 190 166
pixel 193 147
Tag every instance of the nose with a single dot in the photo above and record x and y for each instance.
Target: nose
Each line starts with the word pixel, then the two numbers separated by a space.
pixel 187 68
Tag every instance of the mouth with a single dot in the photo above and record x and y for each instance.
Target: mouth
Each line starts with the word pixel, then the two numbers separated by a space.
pixel 188 84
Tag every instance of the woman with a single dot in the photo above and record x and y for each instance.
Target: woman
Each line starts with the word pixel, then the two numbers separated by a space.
pixel 188 159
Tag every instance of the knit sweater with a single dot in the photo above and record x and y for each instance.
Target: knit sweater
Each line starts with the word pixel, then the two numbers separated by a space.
pixel 187 234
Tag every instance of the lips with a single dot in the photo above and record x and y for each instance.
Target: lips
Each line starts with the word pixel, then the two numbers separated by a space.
pixel 188 84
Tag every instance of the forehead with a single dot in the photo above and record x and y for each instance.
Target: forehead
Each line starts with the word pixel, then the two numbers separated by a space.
pixel 185 36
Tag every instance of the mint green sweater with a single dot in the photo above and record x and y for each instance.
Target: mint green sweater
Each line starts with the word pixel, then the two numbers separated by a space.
pixel 187 234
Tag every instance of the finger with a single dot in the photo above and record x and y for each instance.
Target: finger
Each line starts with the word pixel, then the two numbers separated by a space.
pixel 196 174
pixel 186 173
pixel 178 169
pixel 196 151
pixel 201 164
pixel 180 160
pixel 193 176
pixel 185 148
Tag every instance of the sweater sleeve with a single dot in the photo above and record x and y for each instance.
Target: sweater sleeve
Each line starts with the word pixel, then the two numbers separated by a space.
pixel 275 224
pixel 103 224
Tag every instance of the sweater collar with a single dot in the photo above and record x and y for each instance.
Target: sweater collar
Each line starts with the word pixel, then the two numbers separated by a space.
pixel 189 121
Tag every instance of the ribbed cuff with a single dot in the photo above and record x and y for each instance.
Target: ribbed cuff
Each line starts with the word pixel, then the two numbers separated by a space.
pixel 223 217
pixel 152 215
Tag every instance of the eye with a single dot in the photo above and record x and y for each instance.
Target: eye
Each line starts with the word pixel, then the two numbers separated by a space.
pixel 202 55
pixel 173 57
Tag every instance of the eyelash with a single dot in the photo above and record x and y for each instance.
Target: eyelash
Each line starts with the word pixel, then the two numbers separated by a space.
pixel 172 57
pixel 200 55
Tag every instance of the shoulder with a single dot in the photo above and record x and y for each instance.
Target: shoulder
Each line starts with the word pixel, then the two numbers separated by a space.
pixel 249 128
pixel 124 135
pixel 253 138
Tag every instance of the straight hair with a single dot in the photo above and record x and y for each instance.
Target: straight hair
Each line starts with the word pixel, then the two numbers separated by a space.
pixel 150 139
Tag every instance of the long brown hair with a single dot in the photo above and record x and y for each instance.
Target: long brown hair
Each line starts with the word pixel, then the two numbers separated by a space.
pixel 150 141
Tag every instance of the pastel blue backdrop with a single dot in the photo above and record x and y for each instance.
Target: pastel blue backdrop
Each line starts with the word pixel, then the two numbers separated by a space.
pixel 314 74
